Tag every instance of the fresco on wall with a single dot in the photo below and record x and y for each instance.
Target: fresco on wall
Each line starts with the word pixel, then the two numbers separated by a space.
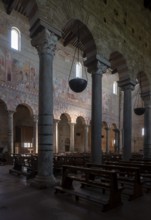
pixel 2 66
pixel 22 74
pixel 106 102
pixel 63 92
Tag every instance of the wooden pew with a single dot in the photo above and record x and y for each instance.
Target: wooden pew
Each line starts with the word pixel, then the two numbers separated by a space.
pixel 102 188
pixel 25 165
pixel 145 171
pixel 128 177
pixel 71 159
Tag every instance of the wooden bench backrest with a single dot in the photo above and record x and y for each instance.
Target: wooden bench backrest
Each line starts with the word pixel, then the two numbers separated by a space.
pixel 111 176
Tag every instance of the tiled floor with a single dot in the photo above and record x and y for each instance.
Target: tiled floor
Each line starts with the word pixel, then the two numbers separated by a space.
pixel 19 201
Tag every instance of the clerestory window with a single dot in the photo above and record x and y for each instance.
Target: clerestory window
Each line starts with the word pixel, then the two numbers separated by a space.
pixel 115 87
pixel 15 38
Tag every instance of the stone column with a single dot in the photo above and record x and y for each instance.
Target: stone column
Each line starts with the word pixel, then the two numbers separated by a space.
pixel 107 140
pixel 147 125
pixel 35 132
pixel 45 42
pixel 96 112
pixel 116 140
pixel 72 137
pixel 127 86
pixel 86 138
pixel 56 135
pixel 10 132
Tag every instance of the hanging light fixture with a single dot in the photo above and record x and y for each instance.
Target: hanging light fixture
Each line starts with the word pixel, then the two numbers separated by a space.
pixel 77 77
pixel 139 105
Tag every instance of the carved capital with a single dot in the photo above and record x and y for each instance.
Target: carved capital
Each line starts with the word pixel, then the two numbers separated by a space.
pixel 126 84
pixel 11 113
pixel 45 42
pixel 146 96
pixel 102 64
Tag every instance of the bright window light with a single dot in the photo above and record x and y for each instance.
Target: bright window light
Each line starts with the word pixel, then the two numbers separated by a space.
pixel 15 38
pixel 28 145
pixel 78 70
pixel 115 87
pixel 143 132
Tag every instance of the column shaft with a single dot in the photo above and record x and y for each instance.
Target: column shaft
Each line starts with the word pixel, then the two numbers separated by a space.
pixel 107 140
pixel 56 136
pixel 96 113
pixel 147 125
pixel 96 118
pixel 10 132
pixel 35 138
pixel 127 86
pixel 72 137
pixel 45 42
pixel 86 138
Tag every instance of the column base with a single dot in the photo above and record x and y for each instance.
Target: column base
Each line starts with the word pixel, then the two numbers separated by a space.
pixel 43 182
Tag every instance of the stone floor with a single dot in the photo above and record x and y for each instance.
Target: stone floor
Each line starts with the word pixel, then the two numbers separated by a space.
pixel 19 201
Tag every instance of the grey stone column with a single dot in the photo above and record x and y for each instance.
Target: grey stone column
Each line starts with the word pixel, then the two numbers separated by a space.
pixel 45 42
pixel 56 135
pixel 147 125
pixel 96 125
pixel 10 132
pixel 107 140
pixel 127 86
pixel 72 137
pixel 86 131
pixel 35 132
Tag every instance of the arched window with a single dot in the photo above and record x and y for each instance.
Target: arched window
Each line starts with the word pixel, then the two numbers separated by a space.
pixel 78 70
pixel 115 87
pixel 15 38
pixel 143 131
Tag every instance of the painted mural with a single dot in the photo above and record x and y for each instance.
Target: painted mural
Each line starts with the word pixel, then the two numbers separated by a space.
pixel 22 74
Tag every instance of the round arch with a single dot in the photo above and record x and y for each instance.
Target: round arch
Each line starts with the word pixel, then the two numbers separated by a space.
pixel 119 65
pixel 23 130
pixel 86 45
pixel 64 133
pixel 79 134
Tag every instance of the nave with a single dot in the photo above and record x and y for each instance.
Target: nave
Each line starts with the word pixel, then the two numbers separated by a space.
pixel 18 200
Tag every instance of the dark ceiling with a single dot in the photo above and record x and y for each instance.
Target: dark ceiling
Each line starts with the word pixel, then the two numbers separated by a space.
pixel 147 4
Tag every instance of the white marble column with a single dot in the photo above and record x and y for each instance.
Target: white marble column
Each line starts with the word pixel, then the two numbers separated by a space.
pixel 72 125
pixel 56 135
pixel 35 133
pixel 127 86
pixel 45 42
pixel 96 125
pixel 10 132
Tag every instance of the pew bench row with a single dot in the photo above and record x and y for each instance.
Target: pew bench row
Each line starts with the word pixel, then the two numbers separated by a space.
pixel 97 185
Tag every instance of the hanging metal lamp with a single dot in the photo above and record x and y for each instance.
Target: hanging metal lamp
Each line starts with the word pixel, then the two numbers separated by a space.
pixel 138 105
pixel 77 77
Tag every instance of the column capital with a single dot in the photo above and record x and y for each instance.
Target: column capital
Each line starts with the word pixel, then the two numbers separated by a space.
pixel 102 64
pixel 116 130
pixel 56 121
pixel 11 112
pixel 146 96
pixel 126 84
pixel 72 123
pixel 45 42
pixel 107 128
